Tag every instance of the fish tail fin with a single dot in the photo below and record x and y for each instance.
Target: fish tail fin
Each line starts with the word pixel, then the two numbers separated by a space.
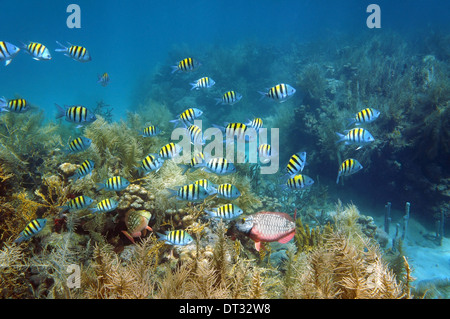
pixel 161 236
pixel 62 49
pixel 174 68
pixel 19 239
pixel 184 167
pixel 341 137
pixel 3 102
pixel 351 121
pixel 194 85
pixel 172 192
pixel 60 111
pixel 218 100
pixel 263 95
pixel 337 180
pixel 100 186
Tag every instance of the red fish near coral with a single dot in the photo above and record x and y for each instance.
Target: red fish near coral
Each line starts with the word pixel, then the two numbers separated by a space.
pixel 268 227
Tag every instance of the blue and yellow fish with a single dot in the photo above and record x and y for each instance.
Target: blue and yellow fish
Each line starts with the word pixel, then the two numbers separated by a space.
pixel 189 192
pixel 176 237
pixel 85 169
pixel 33 227
pixel 103 79
pixel 299 181
pixel 150 131
pixel 38 51
pixel 150 163
pixel 187 116
pixel 185 65
pixel 76 114
pixel 79 144
pixel 206 184
pixel 280 92
pixel 348 167
pixel 203 83
pixel 219 166
pixel 8 51
pixel 225 212
pixel 170 150
pixel 16 105
pixel 228 191
pixel 357 136
pixel 196 162
pixel 105 206
pixel 256 123
pixel 229 98
pixel 296 163
pixel 78 202
pixel 115 183
pixel 76 52
pixel 368 115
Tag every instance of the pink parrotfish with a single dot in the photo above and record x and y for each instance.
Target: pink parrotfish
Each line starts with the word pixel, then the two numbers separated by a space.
pixel 268 227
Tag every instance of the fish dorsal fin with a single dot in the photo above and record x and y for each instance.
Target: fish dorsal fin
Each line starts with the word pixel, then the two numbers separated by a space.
pixel 287 238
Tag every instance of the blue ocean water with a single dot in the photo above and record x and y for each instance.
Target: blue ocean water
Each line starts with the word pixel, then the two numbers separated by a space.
pixel 129 39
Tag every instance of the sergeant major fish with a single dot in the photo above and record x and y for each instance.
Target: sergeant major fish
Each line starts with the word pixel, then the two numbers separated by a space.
pixel 187 64
pixel 358 136
pixel 16 105
pixel 115 183
pixel 105 206
pixel 78 202
pixel 170 150
pixel 33 228
pixel 229 98
pixel 204 82
pixel 280 92
pixel 226 212
pixel 187 116
pixel 76 114
pixel 83 170
pixel 348 167
pixel 368 115
pixel 268 227
pixel 227 191
pixel 150 131
pixel 103 79
pixel 296 163
pixel 219 166
pixel 176 237
pixel 150 163
pixel 299 181
pixel 79 144
pixel 76 52
pixel 196 162
pixel 189 192
pixel 38 51
pixel 8 51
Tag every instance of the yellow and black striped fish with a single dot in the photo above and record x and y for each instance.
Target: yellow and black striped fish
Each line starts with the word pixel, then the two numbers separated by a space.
pixel 187 116
pixel 150 131
pixel 115 183
pixel 85 168
pixel 203 83
pixel 229 98
pixel 280 92
pixel 226 212
pixel 241 131
pixel 103 79
pixel 367 115
pixel 16 105
pixel 76 114
pixel 33 227
pixel 206 184
pixel 76 52
pixel 299 181
pixel 78 202
pixel 79 144
pixel 219 166
pixel 105 206
pixel 188 64
pixel 196 134
pixel 38 51
pixel 150 163
pixel 228 191
pixel 189 192
pixel 8 51
pixel 358 136
pixel 296 163
pixel 256 123
pixel 176 237
pixel 348 167
pixel 170 150
pixel 196 162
